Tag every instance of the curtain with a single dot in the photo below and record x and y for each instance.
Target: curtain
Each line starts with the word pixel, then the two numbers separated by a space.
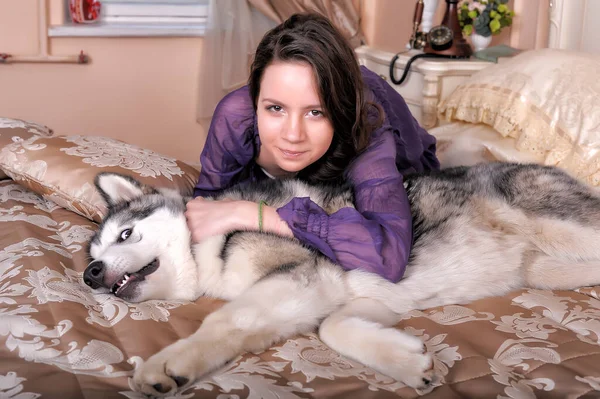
pixel 345 14
pixel 235 28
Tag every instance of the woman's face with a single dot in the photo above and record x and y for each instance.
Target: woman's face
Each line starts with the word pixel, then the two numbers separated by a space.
pixel 292 126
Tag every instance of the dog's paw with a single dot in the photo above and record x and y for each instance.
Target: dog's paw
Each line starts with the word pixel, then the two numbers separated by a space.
pixel 409 343
pixel 417 371
pixel 411 365
pixel 173 368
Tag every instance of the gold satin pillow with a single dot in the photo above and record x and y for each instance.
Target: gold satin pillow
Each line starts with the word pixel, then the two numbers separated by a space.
pixel 10 127
pixel 62 168
pixel 547 100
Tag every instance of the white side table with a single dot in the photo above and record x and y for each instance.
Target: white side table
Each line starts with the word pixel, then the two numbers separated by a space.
pixel 428 82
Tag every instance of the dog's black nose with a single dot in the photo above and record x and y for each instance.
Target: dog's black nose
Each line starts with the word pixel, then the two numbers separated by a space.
pixel 94 274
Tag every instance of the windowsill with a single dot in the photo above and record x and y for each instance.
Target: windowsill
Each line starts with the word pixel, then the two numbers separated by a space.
pixel 127 30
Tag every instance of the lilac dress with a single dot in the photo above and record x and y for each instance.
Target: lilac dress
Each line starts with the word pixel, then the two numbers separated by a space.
pixel 377 235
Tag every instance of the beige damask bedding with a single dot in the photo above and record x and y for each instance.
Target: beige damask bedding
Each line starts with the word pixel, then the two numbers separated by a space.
pixel 58 339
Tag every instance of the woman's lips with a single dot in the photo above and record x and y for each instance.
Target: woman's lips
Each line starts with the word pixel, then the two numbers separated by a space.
pixel 291 154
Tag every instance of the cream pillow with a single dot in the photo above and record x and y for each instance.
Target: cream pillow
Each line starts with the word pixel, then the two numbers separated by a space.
pixel 547 100
pixel 62 168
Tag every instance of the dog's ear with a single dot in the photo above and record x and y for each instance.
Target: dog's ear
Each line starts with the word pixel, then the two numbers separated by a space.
pixel 116 188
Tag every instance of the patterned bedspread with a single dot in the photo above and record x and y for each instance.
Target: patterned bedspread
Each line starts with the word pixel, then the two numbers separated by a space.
pixel 60 340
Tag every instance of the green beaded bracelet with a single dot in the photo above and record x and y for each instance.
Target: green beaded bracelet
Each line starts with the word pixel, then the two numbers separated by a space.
pixel 260 215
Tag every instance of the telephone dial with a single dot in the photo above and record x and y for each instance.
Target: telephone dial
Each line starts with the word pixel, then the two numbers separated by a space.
pixel 442 41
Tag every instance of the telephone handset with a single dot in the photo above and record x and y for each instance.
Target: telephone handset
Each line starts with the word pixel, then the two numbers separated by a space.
pixel 442 41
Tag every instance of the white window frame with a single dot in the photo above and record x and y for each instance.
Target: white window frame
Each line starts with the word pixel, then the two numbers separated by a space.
pixel 148 11
pixel 142 18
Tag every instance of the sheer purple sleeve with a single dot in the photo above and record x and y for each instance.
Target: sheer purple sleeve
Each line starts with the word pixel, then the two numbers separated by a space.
pixel 415 147
pixel 377 235
pixel 230 144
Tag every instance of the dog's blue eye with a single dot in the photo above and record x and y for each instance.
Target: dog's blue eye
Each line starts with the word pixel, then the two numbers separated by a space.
pixel 124 235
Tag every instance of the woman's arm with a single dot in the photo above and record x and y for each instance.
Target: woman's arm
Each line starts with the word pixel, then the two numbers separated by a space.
pixel 230 148
pixel 208 218
pixel 230 144
pixel 377 235
pixel 416 147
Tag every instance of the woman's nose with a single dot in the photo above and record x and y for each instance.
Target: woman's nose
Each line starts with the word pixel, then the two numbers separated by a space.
pixel 294 129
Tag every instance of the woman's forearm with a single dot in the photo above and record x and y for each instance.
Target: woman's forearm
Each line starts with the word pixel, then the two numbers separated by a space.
pixel 271 222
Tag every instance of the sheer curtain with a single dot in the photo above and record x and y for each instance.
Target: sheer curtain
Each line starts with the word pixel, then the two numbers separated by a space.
pixel 235 28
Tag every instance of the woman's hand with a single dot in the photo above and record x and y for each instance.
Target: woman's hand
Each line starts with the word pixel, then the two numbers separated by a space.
pixel 207 218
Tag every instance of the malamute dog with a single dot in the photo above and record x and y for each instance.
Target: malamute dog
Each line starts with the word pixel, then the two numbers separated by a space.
pixel 478 231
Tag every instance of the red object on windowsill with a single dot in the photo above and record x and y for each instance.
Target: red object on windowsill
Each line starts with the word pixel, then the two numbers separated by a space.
pixel 84 11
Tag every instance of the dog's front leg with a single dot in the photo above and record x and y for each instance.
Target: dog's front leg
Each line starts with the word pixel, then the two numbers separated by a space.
pixel 268 312
pixel 363 330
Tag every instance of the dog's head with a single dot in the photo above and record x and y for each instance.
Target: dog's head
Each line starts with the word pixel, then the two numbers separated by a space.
pixel 141 249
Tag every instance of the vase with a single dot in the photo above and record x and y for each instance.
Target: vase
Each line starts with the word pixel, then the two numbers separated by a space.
pixel 84 11
pixel 480 42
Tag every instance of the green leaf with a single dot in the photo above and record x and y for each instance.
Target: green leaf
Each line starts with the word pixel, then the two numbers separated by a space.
pixel 468 29
pixel 463 15
pixel 495 25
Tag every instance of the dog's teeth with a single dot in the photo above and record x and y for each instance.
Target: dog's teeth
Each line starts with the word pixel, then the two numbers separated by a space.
pixel 119 284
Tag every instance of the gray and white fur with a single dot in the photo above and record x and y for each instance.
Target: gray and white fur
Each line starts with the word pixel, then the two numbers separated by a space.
pixel 479 231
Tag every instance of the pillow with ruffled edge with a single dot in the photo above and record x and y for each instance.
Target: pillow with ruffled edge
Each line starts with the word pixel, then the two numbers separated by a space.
pixel 62 168
pixel 547 100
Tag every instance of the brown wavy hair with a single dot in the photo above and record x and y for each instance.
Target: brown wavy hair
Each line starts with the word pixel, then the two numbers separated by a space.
pixel 312 38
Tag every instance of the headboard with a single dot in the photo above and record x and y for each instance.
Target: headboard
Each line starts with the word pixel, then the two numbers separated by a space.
pixel 571 25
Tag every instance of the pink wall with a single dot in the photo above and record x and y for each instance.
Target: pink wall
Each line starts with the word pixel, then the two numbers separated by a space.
pixel 140 90
pixel 144 90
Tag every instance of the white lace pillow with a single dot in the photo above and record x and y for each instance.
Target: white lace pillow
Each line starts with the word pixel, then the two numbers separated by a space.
pixel 547 100
pixel 62 168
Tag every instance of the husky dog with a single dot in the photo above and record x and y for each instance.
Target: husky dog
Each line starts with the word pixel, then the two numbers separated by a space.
pixel 478 231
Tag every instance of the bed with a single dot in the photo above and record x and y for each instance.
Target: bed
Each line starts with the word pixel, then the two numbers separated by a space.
pixel 58 339
pixel 61 340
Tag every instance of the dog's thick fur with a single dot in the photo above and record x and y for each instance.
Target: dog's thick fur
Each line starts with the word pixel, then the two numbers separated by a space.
pixel 478 231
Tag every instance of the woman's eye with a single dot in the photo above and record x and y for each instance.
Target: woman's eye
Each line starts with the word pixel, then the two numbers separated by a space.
pixel 315 112
pixel 275 108
pixel 124 235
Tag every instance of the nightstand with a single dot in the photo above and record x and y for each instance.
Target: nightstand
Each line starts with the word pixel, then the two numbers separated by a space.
pixel 428 82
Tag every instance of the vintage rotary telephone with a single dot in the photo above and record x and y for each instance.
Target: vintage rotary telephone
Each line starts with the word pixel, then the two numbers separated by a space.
pixel 442 41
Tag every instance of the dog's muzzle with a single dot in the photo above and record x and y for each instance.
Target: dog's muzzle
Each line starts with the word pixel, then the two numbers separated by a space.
pixel 94 276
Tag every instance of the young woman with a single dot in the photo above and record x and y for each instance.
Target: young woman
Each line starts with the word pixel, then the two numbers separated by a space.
pixel 311 112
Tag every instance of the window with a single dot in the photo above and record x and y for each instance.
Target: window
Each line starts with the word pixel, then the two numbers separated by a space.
pixel 141 18
pixel 155 11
